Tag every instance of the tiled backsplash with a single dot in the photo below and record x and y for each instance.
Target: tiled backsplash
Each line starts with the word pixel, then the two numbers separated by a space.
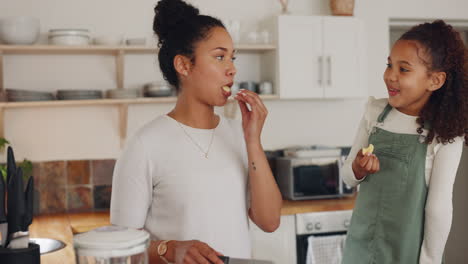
pixel 72 186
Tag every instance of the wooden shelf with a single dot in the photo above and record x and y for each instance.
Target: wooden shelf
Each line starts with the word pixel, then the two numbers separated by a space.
pixel 122 105
pixel 119 52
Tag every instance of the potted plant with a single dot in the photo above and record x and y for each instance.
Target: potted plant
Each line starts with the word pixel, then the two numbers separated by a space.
pixel 25 165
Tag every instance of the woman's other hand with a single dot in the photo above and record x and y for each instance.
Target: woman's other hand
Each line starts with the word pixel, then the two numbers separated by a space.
pixel 364 165
pixel 195 252
pixel 253 119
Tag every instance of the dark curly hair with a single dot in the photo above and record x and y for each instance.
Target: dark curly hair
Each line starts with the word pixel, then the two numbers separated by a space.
pixel 446 112
pixel 179 26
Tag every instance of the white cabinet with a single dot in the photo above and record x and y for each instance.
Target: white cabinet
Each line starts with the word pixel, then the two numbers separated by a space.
pixel 320 57
pixel 279 246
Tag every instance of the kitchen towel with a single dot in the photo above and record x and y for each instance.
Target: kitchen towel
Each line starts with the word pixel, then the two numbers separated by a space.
pixel 325 249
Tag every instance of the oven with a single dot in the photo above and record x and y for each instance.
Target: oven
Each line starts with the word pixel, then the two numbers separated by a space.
pixel 320 236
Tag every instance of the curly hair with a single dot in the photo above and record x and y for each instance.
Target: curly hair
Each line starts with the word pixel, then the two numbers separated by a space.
pixel 446 112
pixel 179 26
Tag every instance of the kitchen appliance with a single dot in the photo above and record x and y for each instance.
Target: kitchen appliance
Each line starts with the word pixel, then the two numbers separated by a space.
pixel 327 230
pixel 311 173
pixel 112 244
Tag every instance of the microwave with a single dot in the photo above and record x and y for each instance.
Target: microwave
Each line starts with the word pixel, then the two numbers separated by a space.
pixel 305 178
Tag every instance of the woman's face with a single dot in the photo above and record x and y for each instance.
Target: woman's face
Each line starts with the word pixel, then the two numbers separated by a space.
pixel 213 68
pixel 407 77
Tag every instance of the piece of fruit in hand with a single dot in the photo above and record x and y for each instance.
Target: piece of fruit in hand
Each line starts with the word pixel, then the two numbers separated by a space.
pixel 369 149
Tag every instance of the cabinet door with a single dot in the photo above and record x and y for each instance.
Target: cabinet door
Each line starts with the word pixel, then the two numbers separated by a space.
pixel 299 55
pixel 279 246
pixel 342 64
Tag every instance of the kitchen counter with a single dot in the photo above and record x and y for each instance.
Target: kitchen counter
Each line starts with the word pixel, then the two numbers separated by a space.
pixel 299 207
pixel 63 226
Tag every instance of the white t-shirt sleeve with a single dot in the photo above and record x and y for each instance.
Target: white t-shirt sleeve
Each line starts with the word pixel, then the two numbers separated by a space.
pixel 361 140
pixel 438 211
pixel 131 187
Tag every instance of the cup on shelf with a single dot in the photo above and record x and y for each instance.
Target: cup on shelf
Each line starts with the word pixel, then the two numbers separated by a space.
pixel 249 85
pixel 264 37
pixel 252 37
pixel 265 88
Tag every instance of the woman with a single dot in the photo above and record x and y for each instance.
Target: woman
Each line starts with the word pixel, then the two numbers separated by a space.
pixel 192 178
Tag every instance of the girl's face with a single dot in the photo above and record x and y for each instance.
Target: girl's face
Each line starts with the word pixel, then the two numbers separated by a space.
pixel 407 78
pixel 213 68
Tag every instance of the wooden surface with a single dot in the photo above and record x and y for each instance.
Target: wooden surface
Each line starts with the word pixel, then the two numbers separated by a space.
pixel 57 227
pixel 298 207
pixel 83 222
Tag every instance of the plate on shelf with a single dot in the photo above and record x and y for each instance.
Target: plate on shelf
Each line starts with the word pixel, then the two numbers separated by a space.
pixel 18 95
pixel 79 94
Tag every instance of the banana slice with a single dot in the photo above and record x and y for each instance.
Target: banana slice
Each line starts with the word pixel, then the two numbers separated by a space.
pixel 227 88
pixel 369 149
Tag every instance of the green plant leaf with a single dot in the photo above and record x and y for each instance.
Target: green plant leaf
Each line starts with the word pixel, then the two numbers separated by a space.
pixel 3 170
pixel 27 168
pixel 3 143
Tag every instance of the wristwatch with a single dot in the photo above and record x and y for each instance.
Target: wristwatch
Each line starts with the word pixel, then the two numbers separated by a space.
pixel 162 250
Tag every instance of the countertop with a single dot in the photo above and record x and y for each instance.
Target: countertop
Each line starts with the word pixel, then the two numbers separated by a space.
pixel 63 226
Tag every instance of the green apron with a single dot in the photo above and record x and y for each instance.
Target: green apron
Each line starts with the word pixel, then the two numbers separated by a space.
pixel 387 225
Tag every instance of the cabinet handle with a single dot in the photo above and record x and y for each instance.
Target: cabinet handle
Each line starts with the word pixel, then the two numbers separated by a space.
pixel 320 69
pixel 329 70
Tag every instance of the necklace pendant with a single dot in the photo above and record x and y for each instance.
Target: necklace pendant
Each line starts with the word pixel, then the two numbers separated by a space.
pixel 206 155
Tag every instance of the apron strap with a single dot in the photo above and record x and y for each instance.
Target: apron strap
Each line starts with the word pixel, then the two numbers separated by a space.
pixel 384 113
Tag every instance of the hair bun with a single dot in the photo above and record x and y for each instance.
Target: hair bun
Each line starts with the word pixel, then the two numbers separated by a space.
pixel 169 14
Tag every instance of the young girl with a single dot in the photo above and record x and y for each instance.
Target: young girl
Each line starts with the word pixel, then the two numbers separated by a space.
pixel 403 210
pixel 192 178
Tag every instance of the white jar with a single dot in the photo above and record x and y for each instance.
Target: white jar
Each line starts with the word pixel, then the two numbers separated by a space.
pixel 112 244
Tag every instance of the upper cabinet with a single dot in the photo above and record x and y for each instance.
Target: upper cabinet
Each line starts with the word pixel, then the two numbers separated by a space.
pixel 320 57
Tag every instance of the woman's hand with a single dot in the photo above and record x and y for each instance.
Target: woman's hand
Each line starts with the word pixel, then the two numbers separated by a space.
pixel 365 164
pixel 252 120
pixel 195 252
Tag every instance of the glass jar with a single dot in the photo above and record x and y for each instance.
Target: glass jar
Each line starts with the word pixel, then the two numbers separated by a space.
pixel 112 245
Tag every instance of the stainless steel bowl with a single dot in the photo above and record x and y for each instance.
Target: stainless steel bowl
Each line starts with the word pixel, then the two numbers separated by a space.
pixel 48 245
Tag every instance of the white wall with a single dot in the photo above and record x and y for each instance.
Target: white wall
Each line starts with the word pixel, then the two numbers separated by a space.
pixel 92 132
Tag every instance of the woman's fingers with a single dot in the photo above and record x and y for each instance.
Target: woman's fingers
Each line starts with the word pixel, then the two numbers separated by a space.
pixel 375 165
pixel 243 106
pixel 369 164
pixel 254 101
pixel 257 99
pixel 208 253
pixel 363 161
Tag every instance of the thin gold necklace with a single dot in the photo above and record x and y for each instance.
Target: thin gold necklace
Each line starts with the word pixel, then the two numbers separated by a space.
pixel 196 143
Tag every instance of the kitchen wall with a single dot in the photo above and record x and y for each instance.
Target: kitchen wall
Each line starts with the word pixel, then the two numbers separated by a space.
pixel 92 132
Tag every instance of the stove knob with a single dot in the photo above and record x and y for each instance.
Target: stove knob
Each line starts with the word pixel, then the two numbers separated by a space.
pixel 310 227
pixel 346 223
pixel 318 226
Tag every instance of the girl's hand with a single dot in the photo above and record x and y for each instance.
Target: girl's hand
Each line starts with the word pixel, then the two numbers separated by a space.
pixel 195 252
pixel 365 164
pixel 252 120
